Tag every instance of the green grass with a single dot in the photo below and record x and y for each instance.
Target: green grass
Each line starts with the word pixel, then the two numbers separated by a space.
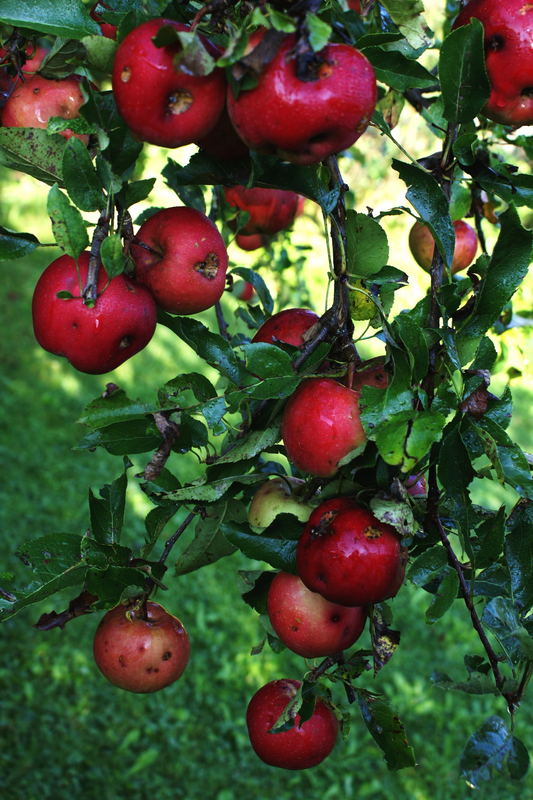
pixel 67 733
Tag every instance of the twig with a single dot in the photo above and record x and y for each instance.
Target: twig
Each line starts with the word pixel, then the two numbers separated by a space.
pixel 90 292
pixel 222 324
pixel 170 432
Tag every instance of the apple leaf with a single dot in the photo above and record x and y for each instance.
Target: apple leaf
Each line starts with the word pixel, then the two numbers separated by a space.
pixel 367 247
pixel 519 553
pixel 491 749
pixel 427 197
pixel 408 15
pixel 68 226
pixel 253 277
pixel 480 684
pixel 209 543
pixel 279 553
pixel 203 492
pixel 487 544
pixel 81 179
pixel 15 245
pixel 427 566
pixel 387 730
pixel 506 457
pixel 112 255
pixel 33 151
pixel 154 523
pixel 69 18
pixel 444 595
pixel 115 406
pixel 397 71
pixel 503 619
pixel 107 511
pixel 254 443
pixel 123 438
pixel 385 640
pixel 462 73
pixel 62 59
pixel 100 52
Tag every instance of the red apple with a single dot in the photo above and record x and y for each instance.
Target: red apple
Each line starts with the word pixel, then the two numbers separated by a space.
pixel 371 373
pixel 422 245
pixel 141 650
pixel 8 79
pixel 108 30
pixel 305 121
pixel 185 267
pixel 223 142
pixel 309 624
pixel 508 28
pixel 251 241
pixel 288 326
pixel 94 340
pixel 355 5
pixel 321 425
pixel 270 210
pixel 243 290
pixel 347 555
pixel 300 747
pixel 161 103
pixel 32 103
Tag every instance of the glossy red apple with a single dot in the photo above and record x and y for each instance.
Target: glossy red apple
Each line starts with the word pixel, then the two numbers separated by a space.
pixel 305 121
pixel 223 141
pixel 300 747
pixel 270 210
pixel 108 30
pixel 161 103
pixel 508 29
pixel 252 241
pixel 347 555
pixel 185 265
pixel 141 652
pixel 321 425
pixel 288 326
pixel 422 245
pixel 33 102
pixel 307 623
pixel 94 340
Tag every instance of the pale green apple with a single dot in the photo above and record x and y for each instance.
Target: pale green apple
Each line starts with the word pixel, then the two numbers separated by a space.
pixel 277 496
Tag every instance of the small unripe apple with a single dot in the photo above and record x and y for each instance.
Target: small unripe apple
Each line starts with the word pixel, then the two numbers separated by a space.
pixel 162 103
pixel 321 425
pixel 371 373
pixel 270 210
pixel 305 119
pixel 33 102
pixel 300 747
pixel 252 241
pixel 287 326
pixel 141 650
pixel 508 31
pixel 422 245
pixel 347 555
pixel 274 497
pixel 243 290
pixel 307 623
pixel 98 339
pixel 184 260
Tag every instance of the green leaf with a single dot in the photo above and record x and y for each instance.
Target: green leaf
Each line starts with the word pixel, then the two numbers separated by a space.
pixel 462 73
pixel 385 640
pixel 155 522
pixel 67 224
pixel 519 553
pixel 209 543
pixel 387 730
pixel 69 18
pixel 202 492
pixel 33 151
pixel 112 255
pixel 397 71
pixel 444 596
pixel 100 52
pixel 480 684
pixel 509 457
pixel 136 191
pixel 487 545
pixel 123 438
pixel 80 177
pixel 16 245
pixel 267 360
pixel 51 555
pixel 405 438
pixel 254 443
pixel 396 513
pixel 427 197
pixel 408 15
pixel 412 336
pixel 62 59
pixel 113 408
pixel 428 565
pixel 508 266
pixel 107 511
pixel 319 31
pixel 253 277
pixel 209 346
pixel 367 248
pixel 501 616
pixel 279 553
pixel 492 748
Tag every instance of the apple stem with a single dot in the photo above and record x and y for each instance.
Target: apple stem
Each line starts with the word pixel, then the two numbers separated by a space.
pixel 90 292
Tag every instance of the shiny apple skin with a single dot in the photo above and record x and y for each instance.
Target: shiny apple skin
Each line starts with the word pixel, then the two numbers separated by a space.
pixel 422 245
pixel 288 326
pixel 306 121
pixel 160 103
pixel 141 654
pixel 307 623
pixel 320 425
pixel 187 272
pixel 300 747
pixel 271 210
pixel 94 340
pixel 508 29
pixel 347 555
pixel 32 103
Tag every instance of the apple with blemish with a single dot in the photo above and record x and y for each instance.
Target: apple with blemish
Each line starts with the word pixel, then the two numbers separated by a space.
pixel 307 623
pixel 181 258
pixel 302 746
pixel 162 103
pixel 278 495
pixel 288 326
pixel 141 649
pixel 347 555
pixel 270 210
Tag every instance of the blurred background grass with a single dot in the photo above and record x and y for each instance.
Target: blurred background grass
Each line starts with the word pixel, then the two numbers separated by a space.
pixel 65 731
